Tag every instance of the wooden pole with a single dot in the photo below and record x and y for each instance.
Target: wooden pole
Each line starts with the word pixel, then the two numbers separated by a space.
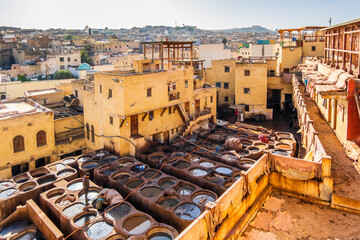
pixel 351 48
pixel 338 48
pixel 344 54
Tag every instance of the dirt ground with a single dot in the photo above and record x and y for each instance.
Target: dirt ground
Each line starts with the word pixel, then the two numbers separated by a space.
pixel 287 217
pixel 346 177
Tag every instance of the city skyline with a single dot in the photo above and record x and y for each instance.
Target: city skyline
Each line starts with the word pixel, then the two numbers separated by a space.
pixel 209 15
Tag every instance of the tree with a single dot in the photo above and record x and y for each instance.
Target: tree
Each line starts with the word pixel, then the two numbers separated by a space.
pixel 63 74
pixel 113 36
pixel 85 56
pixel 22 78
pixel 68 37
pixel 224 41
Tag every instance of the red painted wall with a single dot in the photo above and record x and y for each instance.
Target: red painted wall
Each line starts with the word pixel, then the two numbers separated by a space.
pixel 353 131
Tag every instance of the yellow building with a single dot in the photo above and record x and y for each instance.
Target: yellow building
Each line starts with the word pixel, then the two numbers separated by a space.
pixel 146 104
pixel 253 87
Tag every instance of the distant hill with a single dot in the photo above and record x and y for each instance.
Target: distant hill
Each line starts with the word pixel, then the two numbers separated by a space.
pixel 252 29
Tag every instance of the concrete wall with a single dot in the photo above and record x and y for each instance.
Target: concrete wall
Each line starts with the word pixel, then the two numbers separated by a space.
pixel 209 52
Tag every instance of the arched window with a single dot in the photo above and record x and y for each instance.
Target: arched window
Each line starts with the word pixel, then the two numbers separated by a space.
pixel 18 143
pixel 41 138
pixel 87 131
pixel 92 133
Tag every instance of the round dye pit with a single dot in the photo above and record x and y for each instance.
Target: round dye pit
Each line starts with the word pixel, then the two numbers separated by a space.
pixel 181 164
pixel 157 157
pixel 69 160
pixel 160 236
pixel 187 211
pixel 110 158
pixel 136 225
pixel 203 198
pixel 7 193
pixel 169 160
pixel 75 186
pixel 261 146
pixel 39 172
pixel 246 164
pixel 207 164
pixel 122 177
pixel 21 178
pixel 283 135
pixel 107 170
pixel 57 167
pixel 177 154
pixel 54 194
pixel 134 183
pixel 150 173
pixel 197 172
pixel 80 221
pixel 224 171
pixel 5 184
pixel 281 153
pixel 65 173
pixel 217 178
pixel 246 143
pixel 89 165
pixel 84 158
pixel 27 186
pixel 99 230
pixel 184 190
pixel 150 191
pixel 254 149
pixel 73 209
pixel 283 146
pixel 228 157
pixel 189 148
pixel 46 179
pixel 214 146
pixel 244 152
pixel 165 184
pixel 118 212
pixel 169 202
pixel 14 228
pixel 91 196
pixel 202 150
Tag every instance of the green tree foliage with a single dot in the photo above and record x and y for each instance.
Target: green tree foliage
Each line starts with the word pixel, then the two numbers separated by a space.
pixel 224 41
pixel 85 56
pixel 113 36
pixel 22 78
pixel 68 37
pixel 63 74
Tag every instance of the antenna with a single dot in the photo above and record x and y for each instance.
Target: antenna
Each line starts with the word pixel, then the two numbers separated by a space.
pixel 330 22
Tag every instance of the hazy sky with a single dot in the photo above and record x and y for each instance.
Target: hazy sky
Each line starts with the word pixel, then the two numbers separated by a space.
pixel 206 14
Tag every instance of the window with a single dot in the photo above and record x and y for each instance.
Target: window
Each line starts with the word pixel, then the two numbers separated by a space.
pixel 226 85
pixel 286 70
pixel 110 93
pixel 151 115
pixel 218 84
pixel 68 59
pixel 227 69
pixel 174 86
pixel 61 59
pixel 100 88
pixel 211 99
pixel 169 110
pixel 18 143
pixel 76 93
pixel 41 138
pixel 75 60
pixel 247 90
pixel 111 120
pixel 226 99
pixel 186 83
pixel 313 48
pixel 271 73
pixel 115 46
pixel 92 134
pixel 247 108
pixel 87 131
pixel 247 72
pixel 62 67
pixel 149 92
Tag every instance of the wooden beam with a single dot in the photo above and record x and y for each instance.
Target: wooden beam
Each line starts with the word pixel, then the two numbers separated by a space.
pixel 143 118
pixel 122 122
pixel 162 113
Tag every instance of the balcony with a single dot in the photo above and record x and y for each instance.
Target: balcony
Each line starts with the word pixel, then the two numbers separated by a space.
pixel 174 95
pixel 69 136
pixel 204 112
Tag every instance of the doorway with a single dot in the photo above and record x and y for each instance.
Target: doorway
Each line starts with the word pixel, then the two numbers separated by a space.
pixel 134 125
pixel 166 138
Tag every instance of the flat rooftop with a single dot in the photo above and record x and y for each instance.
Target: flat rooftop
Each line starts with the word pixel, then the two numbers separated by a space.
pixel 287 217
pixel 17 109
pixel 65 112
pixel 41 92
